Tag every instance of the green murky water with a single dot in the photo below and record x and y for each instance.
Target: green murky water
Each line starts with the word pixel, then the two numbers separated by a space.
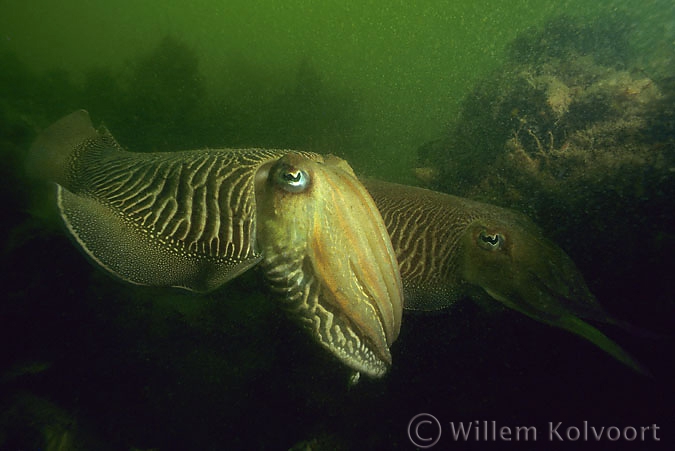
pixel 89 363
pixel 407 66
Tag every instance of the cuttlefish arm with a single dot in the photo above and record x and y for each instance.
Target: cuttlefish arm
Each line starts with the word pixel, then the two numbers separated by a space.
pixel 197 219
pixel 446 244
pixel 327 250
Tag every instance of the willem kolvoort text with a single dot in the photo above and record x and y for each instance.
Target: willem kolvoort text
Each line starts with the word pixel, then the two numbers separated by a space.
pixel 556 431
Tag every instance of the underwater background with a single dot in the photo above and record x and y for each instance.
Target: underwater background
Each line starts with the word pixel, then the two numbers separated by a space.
pixel 564 111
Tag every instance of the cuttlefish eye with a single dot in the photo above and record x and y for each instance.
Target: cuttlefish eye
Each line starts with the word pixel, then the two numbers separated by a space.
pixel 490 241
pixel 290 178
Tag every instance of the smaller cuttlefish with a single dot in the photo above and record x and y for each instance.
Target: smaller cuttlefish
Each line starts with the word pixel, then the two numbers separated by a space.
pixel 447 244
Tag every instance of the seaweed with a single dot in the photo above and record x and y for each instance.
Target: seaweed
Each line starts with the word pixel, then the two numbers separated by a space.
pixel 565 111
pixel 572 131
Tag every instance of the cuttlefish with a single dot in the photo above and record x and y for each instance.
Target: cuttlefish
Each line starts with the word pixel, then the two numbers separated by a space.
pixel 196 219
pixel 343 258
pixel 448 245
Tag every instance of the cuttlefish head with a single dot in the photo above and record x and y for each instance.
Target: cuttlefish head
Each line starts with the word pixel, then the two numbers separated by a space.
pixel 515 264
pixel 328 254
pixel 511 260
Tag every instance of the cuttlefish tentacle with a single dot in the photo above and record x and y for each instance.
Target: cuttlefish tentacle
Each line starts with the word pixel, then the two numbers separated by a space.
pixel 446 244
pixel 192 220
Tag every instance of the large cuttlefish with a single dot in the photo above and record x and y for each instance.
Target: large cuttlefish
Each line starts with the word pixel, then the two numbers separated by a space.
pixel 197 219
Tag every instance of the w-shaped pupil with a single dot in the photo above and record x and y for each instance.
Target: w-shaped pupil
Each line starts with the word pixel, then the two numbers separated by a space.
pixel 492 239
pixel 292 176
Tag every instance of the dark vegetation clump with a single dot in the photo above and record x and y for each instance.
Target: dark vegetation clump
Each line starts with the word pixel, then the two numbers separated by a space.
pixel 161 105
pixel 572 131
pixel 569 108
pixel 159 101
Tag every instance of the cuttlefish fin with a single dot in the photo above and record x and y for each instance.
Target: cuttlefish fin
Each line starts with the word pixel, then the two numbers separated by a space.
pixel 168 219
pixel 127 253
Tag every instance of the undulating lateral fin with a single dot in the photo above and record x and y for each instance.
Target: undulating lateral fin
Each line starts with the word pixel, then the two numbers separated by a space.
pixel 130 254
